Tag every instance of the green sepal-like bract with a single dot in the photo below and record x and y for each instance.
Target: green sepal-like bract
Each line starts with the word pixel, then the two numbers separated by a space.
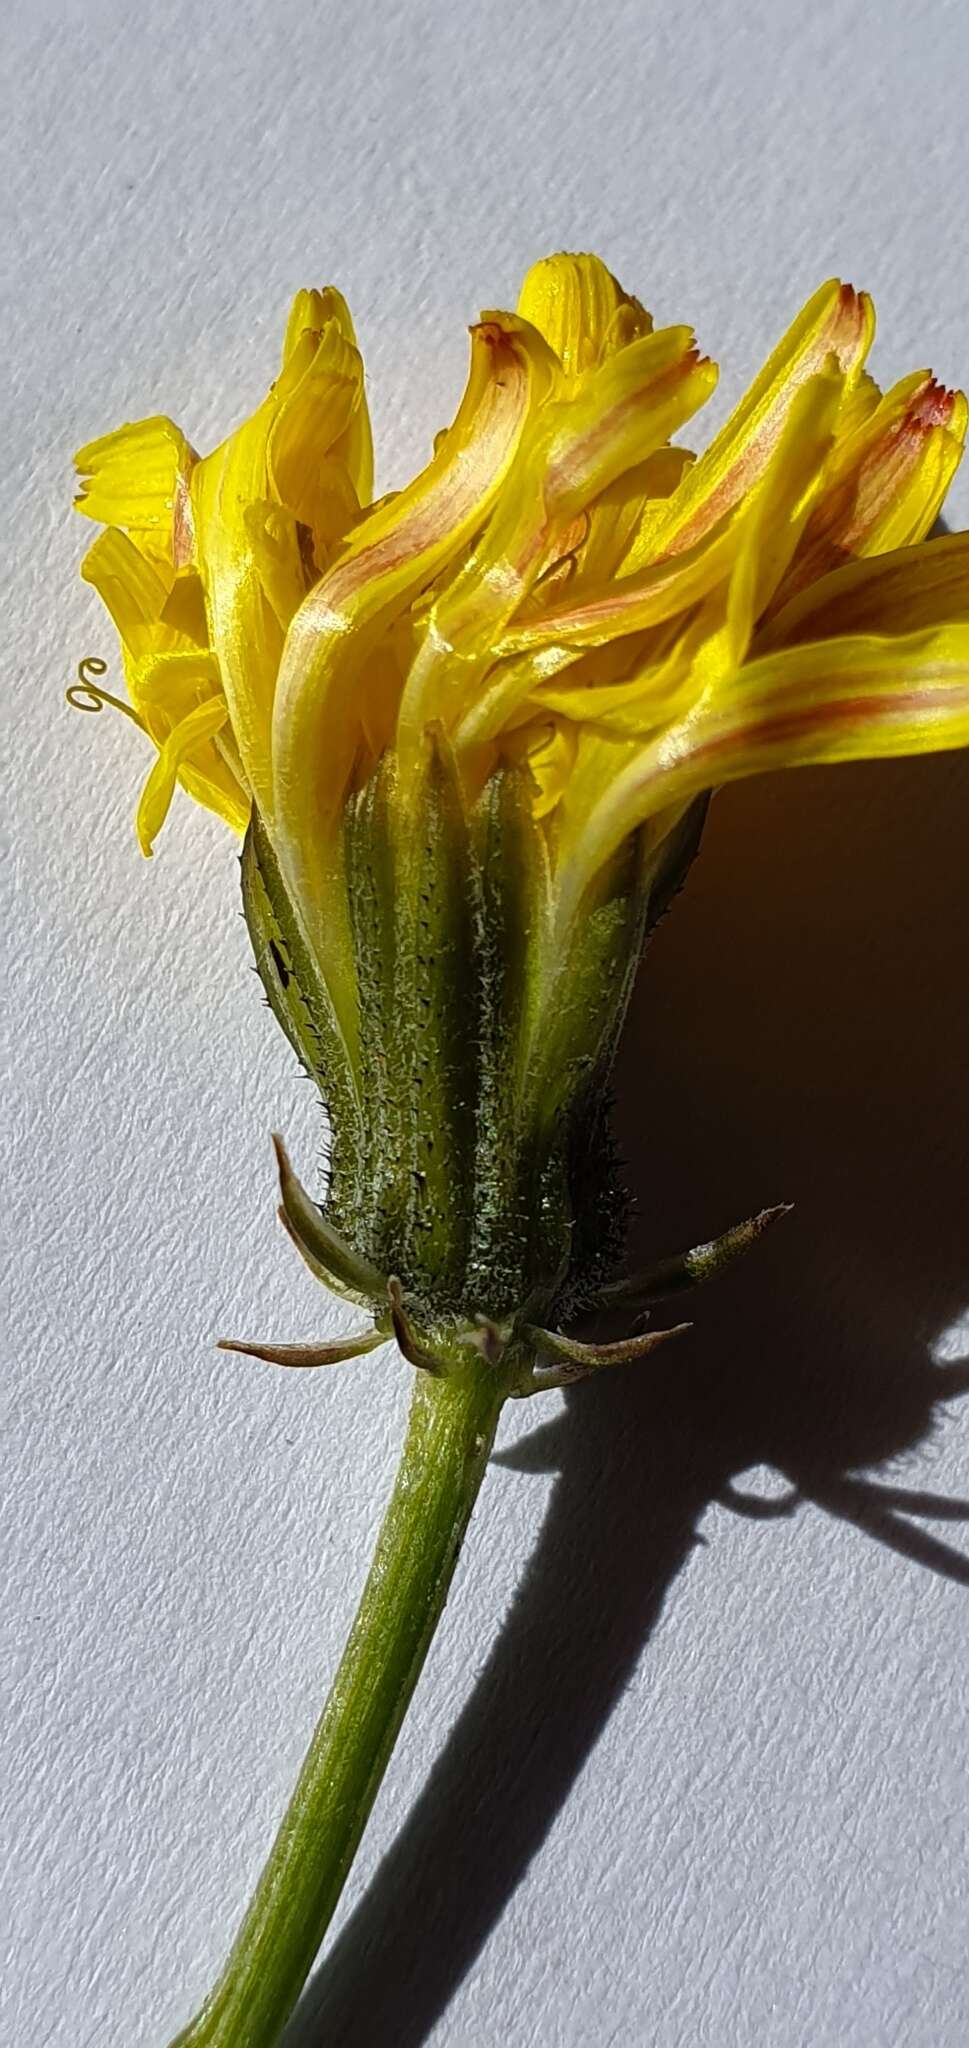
pixel 411 887
pixel 298 997
pixel 470 1149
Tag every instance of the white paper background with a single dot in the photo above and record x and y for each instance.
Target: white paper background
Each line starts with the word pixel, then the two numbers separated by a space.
pixel 672 1776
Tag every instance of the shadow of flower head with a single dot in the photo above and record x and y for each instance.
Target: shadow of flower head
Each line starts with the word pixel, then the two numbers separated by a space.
pixel 796 1035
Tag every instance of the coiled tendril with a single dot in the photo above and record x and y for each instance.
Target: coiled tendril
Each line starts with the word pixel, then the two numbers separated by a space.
pixel 85 695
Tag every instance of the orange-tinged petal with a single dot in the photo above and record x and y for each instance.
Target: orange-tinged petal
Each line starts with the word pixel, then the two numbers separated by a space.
pixel 752 546
pixel 837 322
pixel 906 590
pixel 629 604
pixel 885 483
pixel 838 700
pixel 396 551
pixel 570 454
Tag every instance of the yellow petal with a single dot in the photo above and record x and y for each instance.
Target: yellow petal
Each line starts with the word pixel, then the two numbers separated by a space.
pixel 134 589
pixel 780 506
pixel 903 591
pixel 580 309
pixel 307 315
pixel 671 669
pixel 167 690
pixel 390 557
pixel 137 477
pixel 837 700
pixel 243 626
pixel 624 411
pixel 596 546
pixel 530 685
pixel 660 689
pixel 656 480
pixel 169 685
pixel 184 608
pixel 313 311
pixel 159 789
pixel 550 760
pixel 273 536
pixel 312 418
pixel 838 321
pixel 547 746
pixel 314 399
pixel 570 454
pixel 629 604
pixel 862 398
pixel 211 782
pixel 334 510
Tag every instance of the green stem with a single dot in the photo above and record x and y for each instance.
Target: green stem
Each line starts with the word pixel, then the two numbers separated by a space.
pixel 449 1438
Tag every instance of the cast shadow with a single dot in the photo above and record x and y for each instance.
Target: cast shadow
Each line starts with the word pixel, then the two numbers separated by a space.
pixel 798 1033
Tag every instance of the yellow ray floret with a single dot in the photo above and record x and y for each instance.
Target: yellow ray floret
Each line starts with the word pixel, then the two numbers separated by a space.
pixel 562 586
pixel 137 478
pixel 838 700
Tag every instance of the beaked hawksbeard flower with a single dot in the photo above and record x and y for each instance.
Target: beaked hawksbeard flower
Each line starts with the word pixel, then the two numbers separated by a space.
pixel 469 733
pixel 475 723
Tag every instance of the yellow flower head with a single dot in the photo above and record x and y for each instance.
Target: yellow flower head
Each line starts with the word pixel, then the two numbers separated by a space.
pixel 561 586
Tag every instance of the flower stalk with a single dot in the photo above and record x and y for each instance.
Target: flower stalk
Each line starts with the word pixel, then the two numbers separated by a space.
pixel 445 1455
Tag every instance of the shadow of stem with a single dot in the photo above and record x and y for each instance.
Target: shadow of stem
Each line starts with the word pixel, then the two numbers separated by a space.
pixel 795 1036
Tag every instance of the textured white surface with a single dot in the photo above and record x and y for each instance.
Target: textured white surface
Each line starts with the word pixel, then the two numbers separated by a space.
pixel 706 1776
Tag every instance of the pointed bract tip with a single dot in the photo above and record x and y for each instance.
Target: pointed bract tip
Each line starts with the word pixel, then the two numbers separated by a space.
pixel 766 1217
pixel 408 1340
pixel 306 1357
